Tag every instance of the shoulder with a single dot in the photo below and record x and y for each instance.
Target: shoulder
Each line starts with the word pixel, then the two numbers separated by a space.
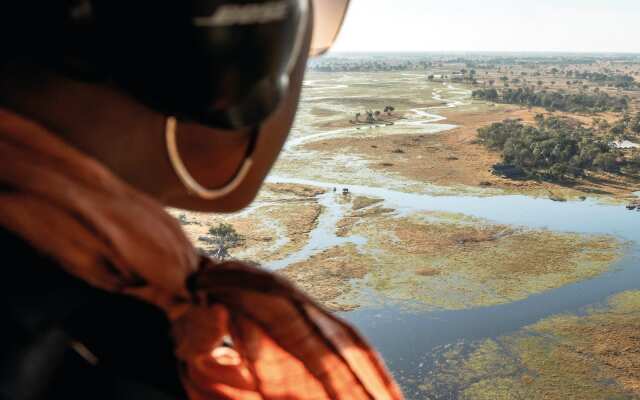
pixel 129 338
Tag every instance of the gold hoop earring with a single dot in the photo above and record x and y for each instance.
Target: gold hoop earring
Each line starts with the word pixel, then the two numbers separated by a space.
pixel 185 177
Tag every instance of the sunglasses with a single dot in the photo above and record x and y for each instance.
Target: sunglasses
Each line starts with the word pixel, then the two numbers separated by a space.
pixel 328 16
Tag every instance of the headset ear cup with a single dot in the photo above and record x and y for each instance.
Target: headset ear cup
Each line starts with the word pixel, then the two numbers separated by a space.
pixel 262 52
pixel 32 31
pixel 222 63
pixel 261 102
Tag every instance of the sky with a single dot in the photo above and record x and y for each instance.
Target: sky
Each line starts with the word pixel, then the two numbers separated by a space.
pixel 492 25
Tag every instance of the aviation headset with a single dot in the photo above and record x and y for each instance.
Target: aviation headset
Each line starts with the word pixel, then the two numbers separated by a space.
pixel 221 63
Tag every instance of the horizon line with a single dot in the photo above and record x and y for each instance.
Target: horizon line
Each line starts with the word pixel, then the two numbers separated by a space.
pixel 489 51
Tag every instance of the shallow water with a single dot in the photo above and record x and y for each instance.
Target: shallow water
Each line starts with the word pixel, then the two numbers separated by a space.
pixel 589 216
pixel 410 341
pixel 321 237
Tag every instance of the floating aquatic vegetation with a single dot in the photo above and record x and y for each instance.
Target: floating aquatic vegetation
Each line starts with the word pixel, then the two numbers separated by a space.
pixel 594 356
pixel 278 224
pixel 445 261
pixel 329 276
pixel 453 262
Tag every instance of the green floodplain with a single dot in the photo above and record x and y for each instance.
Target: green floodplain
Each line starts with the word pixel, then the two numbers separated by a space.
pixel 388 224
pixel 589 356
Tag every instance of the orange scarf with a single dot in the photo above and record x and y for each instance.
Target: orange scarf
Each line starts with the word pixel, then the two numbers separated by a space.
pixel 101 230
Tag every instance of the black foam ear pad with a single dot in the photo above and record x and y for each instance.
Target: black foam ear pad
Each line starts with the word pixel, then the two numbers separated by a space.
pixel 221 63
pixel 31 30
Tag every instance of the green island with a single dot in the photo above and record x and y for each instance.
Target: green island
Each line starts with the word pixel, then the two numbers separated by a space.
pixel 583 357
pixel 422 187
pixel 555 100
pixel 559 149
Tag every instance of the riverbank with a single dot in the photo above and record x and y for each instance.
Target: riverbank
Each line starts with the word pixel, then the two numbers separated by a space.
pixel 454 158
pixel 430 249
pixel 439 260
pixel 590 356
pixel 278 224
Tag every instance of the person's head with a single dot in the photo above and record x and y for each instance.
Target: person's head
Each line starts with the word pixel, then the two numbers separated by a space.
pixel 107 75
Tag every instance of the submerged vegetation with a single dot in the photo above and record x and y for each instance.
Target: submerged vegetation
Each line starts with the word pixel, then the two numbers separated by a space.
pixel 562 357
pixel 554 100
pixel 557 148
pixel 445 261
pixel 387 252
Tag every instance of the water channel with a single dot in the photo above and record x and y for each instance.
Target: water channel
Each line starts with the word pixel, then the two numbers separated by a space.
pixel 410 341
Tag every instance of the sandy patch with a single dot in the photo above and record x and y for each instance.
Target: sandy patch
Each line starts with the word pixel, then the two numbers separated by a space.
pixel 361 202
pixel 304 191
pixel 451 262
pixel 277 226
pixel 361 207
pixel 329 276
pixel 453 158
pixel 445 261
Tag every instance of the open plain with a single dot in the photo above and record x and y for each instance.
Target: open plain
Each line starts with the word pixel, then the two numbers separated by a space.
pixel 395 220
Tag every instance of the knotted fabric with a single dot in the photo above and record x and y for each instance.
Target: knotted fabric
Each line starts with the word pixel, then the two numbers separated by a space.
pixel 240 332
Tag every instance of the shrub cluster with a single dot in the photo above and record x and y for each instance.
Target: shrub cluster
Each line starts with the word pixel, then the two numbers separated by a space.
pixel 555 149
pixel 554 100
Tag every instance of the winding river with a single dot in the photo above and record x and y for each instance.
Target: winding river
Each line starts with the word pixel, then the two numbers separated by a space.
pixel 411 341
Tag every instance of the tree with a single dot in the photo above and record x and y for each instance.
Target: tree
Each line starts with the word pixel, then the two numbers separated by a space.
pixel 618 128
pixel 557 100
pixel 558 172
pixel 604 125
pixel 488 94
pixel 634 124
pixel 606 162
pixel 182 218
pixel 223 237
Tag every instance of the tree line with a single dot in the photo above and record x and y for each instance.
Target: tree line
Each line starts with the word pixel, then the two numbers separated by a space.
pixel 622 81
pixel 555 100
pixel 366 65
pixel 556 149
